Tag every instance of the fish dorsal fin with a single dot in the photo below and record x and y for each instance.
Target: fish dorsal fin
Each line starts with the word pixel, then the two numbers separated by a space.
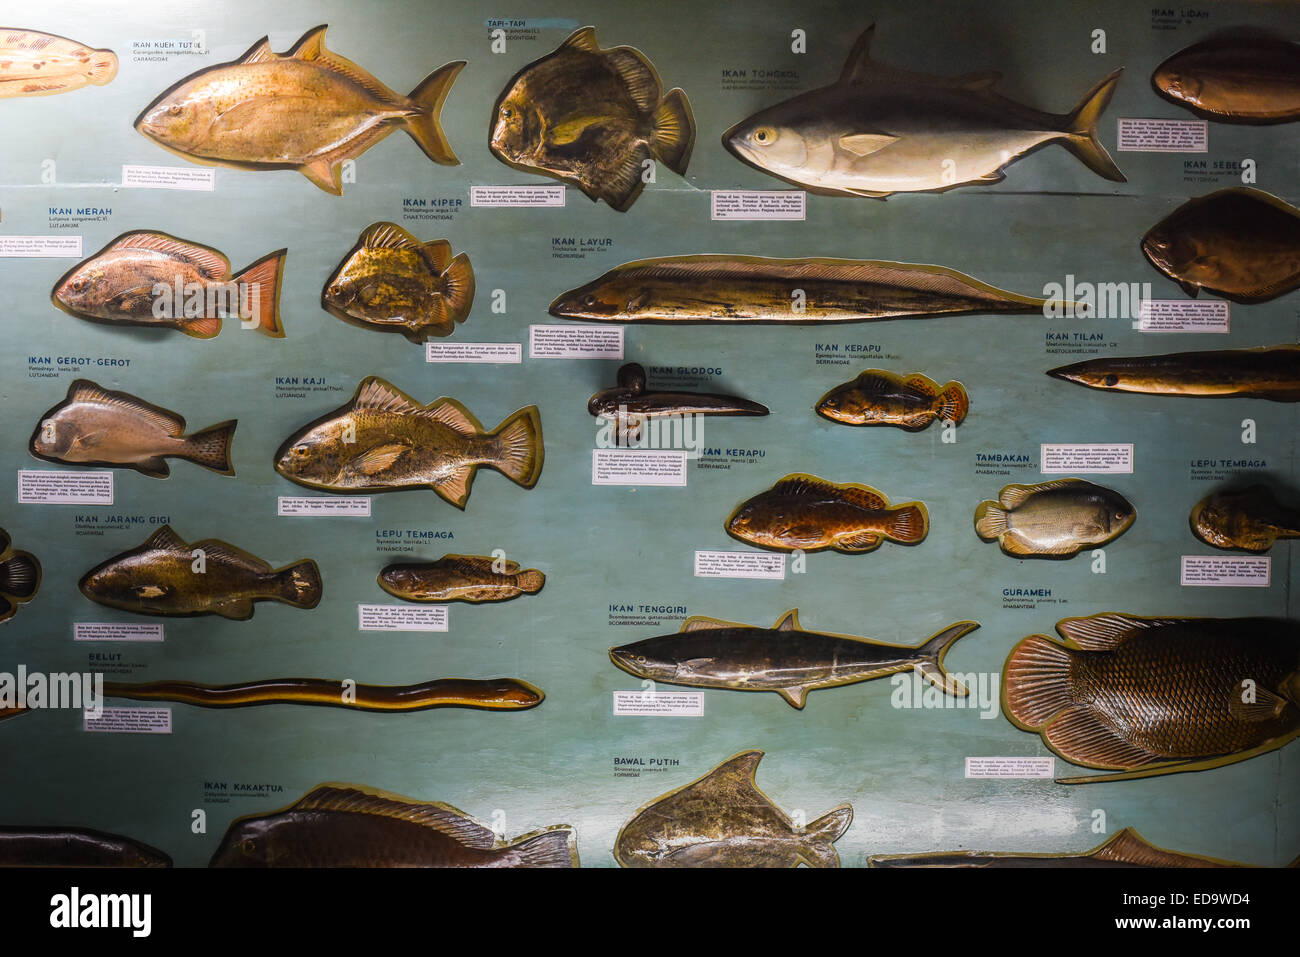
pixel 875 381
pixel 735 778
pixel 1013 496
pixel 439 817
pixel 387 236
pixel 788 622
pixel 861 495
pixel 259 52
pixel 165 540
pixel 637 75
pixel 224 551
pixel 582 39
pixel 922 384
pixel 437 253
pixel 83 390
pixel 376 395
pixel 1129 847
pixel 455 416
pixel 311 49
pixel 858 67
pixel 1104 632
pixel 479 563
pixel 632 377
pixel 207 261
pixel 704 623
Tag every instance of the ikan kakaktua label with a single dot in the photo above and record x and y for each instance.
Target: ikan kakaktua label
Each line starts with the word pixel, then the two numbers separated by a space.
pixel 40 247
pixel 1010 767
pixel 480 352
pixel 738 204
pixel 1138 135
pixel 402 618
pixel 131 721
pixel 1095 458
pixel 169 177
pixel 739 565
pixel 638 467
pixel 1226 571
pixel 660 704
pixel 498 196
pixel 323 506
pixel 38 487
pixel 1183 315
pixel 575 342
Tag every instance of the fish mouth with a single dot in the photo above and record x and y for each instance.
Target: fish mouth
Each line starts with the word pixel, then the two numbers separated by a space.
pixel 1071 373
pixel 622 657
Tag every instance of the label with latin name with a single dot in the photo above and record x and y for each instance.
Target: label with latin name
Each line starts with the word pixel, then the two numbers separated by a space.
pixel 401 617
pixel 516 196
pixel 735 204
pixel 1010 767
pixel 1227 571
pixel 473 352
pixel 131 721
pixel 638 467
pixel 1095 457
pixel 115 631
pixel 739 565
pixel 1183 315
pixel 38 487
pixel 668 704
pixel 169 177
pixel 575 342
pixel 316 506
pixel 1138 135
pixel 40 247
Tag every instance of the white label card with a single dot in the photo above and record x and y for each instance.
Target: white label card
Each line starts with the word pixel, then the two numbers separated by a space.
pixel 169 177
pixel 1183 315
pixel 512 352
pixel 115 631
pixel 575 342
pixel 402 618
pixel 666 704
pixel 736 204
pixel 739 565
pixel 1138 135
pixel 1092 457
pixel 313 506
pixel 638 467
pixel 37 487
pixel 40 247
pixel 131 721
pixel 497 196
pixel 1010 767
pixel 1227 571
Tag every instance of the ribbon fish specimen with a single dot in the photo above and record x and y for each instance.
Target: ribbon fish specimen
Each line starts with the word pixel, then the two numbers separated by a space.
pixel 309 110
pixel 711 653
pixel 1250 519
pixel 20 577
pixel 348 825
pixel 1234 79
pixel 1126 849
pixel 22 846
pixel 1152 696
pixel 37 64
pixel 1054 519
pixel 631 403
pixel 880 397
pixel 724 820
pixel 1268 372
pixel 471 578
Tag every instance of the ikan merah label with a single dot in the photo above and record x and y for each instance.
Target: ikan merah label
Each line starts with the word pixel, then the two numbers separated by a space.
pixel 1010 767
pixel 401 617
pixel 662 704
pixel 638 467
pixel 1226 571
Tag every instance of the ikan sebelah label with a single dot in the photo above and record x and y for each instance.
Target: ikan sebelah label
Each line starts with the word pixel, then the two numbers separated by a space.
pixel 638 467
pixel 131 721
pixel 734 204
pixel 739 565
pixel 660 704
pixel 1010 767
pixel 39 487
pixel 402 618
pixel 1138 135
pixel 323 506
pixel 1226 571
pixel 1095 458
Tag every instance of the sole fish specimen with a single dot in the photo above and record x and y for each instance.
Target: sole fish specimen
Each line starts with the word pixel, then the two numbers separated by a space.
pixel 1126 849
pixel 1269 372
pixel 724 288
pixel 809 513
pixel 20 577
pixel 37 64
pixel 471 578
pixel 166 576
pixel 1251 519
pixel 879 397
pixel 309 110
pixel 1054 519
pixel 1234 79
pixel 348 825
pixel 97 426
pixel 879 130
pixel 724 820
pixel 1151 696
pixel 74 847
pixel 392 282
pixel 630 403
pixel 711 653
pixel 384 440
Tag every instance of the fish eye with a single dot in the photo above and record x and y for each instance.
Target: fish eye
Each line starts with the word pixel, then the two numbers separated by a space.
pixel 764 136
pixel 588 301
pixel 640 659
pixel 248 845
pixel 506 112
pixel 300 450
pixel 1111 379
pixel 78 284
pixel 175 110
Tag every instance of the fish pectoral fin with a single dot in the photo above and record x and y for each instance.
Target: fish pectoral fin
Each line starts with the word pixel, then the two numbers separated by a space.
pixel 1080 737
pixel 864 144
pixel 455 488
pixel 240 609
pixel 1265 706
pixel 149 591
pixel 796 695
pixel 88 440
pixel 379 459
pixel 325 174
pixel 858 542
pixel 870 193
pixel 570 131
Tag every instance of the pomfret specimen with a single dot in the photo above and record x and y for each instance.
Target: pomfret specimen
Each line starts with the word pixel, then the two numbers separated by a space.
pixel 20 577
pixel 1126 849
pixel 1269 372
pixel 809 513
pixel 1234 79
pixel 1250 519
pixel 711 653
pixel 36 64
pixel 1054 519
pixel 1242 244
pixel 1150 696
pixel 347 825
pixel 725 288
pixel 471 578
pixel 74 847
pixel 97 426
pixel 594 118
pixel 880 397
pixel 394 283
pixel 166 576
pixel 630 402
pixel 724 820
pixel 879 130
pixel 309 110
pixel 384 440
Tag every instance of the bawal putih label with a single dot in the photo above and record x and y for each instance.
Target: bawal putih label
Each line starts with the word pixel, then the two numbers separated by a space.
pixel 1226 571
pixel 750 204
pixel 1183 315
pixel 1094 458
pixel 116 631
pixel 490 196
pixel 40 247
pixel 664 704
pixel 638 467
pixel 1010 767
pixel 314 506
pixel 130 721
pixel 485 352
pixel 739 565
pixel 402 618
pixel 39 487
pixel 169 177
pixel 575 342
pixel 1139 135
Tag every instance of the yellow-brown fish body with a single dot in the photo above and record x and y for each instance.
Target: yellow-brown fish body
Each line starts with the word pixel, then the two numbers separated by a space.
pixel 346 825
pixel 809 513
pixel 471 578
pixel 149 278
pixel 1251 519
pixel 309 110
pixel 593 118
pixel 22 846
pixel 20 577
pixel 384 440
pixel 1157 695
pixel 1234 79
pixel 97 426
pixel 167 576
pixel 1126 849
pixel 880 397
pixel 1054 519
pixel 1241 244
pixel 37 64
pixel 1269 372
pixel 394 283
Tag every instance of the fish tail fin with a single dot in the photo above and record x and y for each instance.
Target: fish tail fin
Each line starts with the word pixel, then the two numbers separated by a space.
pixel 908 524
pixel 820 836
pixel 20 576
pixel 932 654
pixel 1081 130
pixel 954 403
pixel 260 295
pixel 990 520
pixel 300 584
pixel 103 67
pixel 425 126
pixel 553 848
pixel 211 447
pixel 458 287
pixel 530 580
pixel 674 133
pixel 517 447
pixel 1037 681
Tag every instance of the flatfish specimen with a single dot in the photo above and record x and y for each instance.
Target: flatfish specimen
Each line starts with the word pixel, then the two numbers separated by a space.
pixel 309 109
pixel 1250 519
pixel 22 846
pixel 1128 848
pixel 630 403
pixel 37 64
pixel 392 282
pixel 1234 79
pixel 806 512
pixel 97 426
pixel 724 820
pixel 1054 519
pixel 880 397
pixel 167 576
pixel 471 578
pixel 712 653
pixel 879 130
pixel 1268 372
pixel 20 577
pixel 595 118
pixel 1241 244
pixel 348 825
pixel 384 440
pixel 148 278
pixel 725 288
pixel 1151 696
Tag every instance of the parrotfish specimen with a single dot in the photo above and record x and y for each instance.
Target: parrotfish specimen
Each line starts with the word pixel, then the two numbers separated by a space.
pixel 471 578
pixel 1054 519
pixel 879 397
pixel 309 110
pixel 1251 519
pixel 74 847
pixel 1269 372
pixel 630 402
pixel 20 577
pixel 1126 849
pixel 36 64
pixel 879 130
pixel 1234 79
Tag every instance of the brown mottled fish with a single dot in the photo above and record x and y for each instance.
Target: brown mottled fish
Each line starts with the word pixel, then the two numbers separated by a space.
pixel 20 577
pixel 1126 849
pixel 1250 519
pixel 1054 519
pixel 1267 372
pixel 1242 78
pixel 472 578
pixel 47 846
pixel 630 403
pixel 880 397
pixel 37 64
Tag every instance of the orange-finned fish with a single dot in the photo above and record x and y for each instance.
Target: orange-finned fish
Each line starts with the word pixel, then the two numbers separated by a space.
pixel 37 64
pixel 880 397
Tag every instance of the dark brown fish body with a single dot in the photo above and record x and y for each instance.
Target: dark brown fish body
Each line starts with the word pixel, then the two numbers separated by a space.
pixel 630 402
pixel 1251 519
pixel 74 847
pixel 1271 372
pixel 1234 79
pixel 1125 849
pixel 471 578
pixel 20 577
pixel 879 397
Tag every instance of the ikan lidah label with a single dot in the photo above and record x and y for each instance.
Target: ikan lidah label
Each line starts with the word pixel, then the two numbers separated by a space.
pixel 1097 458
pixel 1010 767
pixel 660 704
pixel 739 565
pixel 38 487
pixel 1226 571
pixel 322 506
pixel 131 721
pixel 575 342
pixel 1163 136
pixel 402 618
pixel 638 467
pixel 738 204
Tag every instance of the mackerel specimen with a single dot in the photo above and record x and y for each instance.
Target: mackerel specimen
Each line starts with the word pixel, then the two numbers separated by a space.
pixel 1268 372
pixel 880 397
pixel 37 64
pixel 1234 79
pixel 471 578
pixel 1054 519
pixel 20 577
pixel 74 847
pixel 1126 849
pixel 1250 519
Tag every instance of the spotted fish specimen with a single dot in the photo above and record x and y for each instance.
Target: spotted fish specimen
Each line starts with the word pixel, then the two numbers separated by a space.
pixel 471 578
pixel 1250 519
pixel 724 820
pixel 22 846
pixel 1054 519
pixel 309 109
pixel 20 577
pixel 594 118
pixel 37 64
pixel 1151 696
pixel 1268 372
pixel 880 397
pixel 1126 849
pixel 1234 79
pixel 348 825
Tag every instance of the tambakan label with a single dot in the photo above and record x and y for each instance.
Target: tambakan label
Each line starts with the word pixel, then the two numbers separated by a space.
pixel 115 631
pixel 1138 135
pixel 1010 767
pixel 664 704
pixel 37 487
pixel 1227 571
pixel 1183 315
pixel 638 467
pixel 739 565
pixel 1095 458
pixel 320 506
pixel 401 617
pixel 131 721
pixel 169 177
pixel 516 196
pixel 490 352
pixel 737 204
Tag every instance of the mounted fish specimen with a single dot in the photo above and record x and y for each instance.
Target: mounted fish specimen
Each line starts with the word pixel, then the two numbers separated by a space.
pixel 809 513
pixel 880 397
pixel 309 110
pixel 594 118
pixel 22 846
pixel 1054 519
pixel 630 403
pixel 37 64
pixel 348 825
pixel 392 282
pixel 1242 244
pixel 148 278
pixel 1151 696
pixel 20 577
pixel 167 576
pixel 1268 372
pixel 384 440
pixel 471 578
pixel 724 820
pixel 1234 79
pixel 879 130
pixel 97 426
pixel 1250 519
pixel 1126 849
pixel 711 653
